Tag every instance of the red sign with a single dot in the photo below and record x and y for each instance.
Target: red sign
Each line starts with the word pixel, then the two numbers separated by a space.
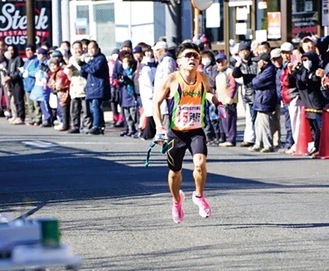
pixel 13 23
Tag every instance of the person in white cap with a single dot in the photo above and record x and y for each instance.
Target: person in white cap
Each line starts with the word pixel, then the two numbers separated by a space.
pixel 276 59
pixel 166 65
pixel 289 93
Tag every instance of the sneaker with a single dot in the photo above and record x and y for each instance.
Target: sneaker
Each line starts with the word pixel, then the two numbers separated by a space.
pixel 246 144
pixel 226 144
pixel 18 121
pixel 266 150
pixel 177 210
pixel 74 131
pixel 254 149
pixel 290 151
pixel 94 131
pixel 204 208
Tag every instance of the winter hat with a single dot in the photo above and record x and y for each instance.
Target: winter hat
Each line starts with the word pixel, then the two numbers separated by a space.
pixel 115 51
pixel 53 61
pixel 243 45
pixel 57 53
pixel 127 43
pixel 137 50
pixel 42 51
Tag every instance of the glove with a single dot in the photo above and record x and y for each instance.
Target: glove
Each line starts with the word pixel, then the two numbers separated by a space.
pixel 160 136
pixel 43 67
pixel 81 63
pixel 25 74
pixel 54 91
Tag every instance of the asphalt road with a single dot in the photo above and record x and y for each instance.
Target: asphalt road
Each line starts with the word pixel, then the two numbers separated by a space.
pixel 270 211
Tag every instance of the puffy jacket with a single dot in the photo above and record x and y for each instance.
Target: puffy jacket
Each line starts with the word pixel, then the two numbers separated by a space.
pixel 265 89
pixel 30 68
pixel 78 82
pixel 247 70
pixel 309 86
pixel 98 81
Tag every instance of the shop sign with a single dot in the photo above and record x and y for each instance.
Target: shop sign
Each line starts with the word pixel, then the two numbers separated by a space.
pixel 13 23
pixel 304 24
pixel 274 25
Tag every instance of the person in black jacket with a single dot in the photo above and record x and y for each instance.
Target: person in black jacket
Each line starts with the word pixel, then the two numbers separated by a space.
pixel 247 70
pixel 15 83
pixel 309 86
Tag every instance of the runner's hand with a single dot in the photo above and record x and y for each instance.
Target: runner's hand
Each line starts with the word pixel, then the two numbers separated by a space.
pixel 160 136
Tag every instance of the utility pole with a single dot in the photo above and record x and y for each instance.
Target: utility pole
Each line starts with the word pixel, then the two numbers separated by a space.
pixel 30 22
pixel 173 22
pixel 57 22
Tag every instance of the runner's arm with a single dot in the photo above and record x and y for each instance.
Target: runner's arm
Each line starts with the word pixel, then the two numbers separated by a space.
pixel 161 95
pixel 210 95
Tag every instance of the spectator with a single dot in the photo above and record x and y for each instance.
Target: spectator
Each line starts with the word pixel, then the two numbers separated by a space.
pixel 98 86
pixel 15 83
pixel 146 87
pixel 309 84
pixel 29 69
pixel 59 83
pixel 166 65
pixel 247 70
pixel 264 104
pixel 128 94
pixel 227 94
pixel 290 95
pixel 41 92
pixel 114 100
pixel 80 112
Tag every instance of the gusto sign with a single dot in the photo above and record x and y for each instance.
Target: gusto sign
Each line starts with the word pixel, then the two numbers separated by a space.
pixel 13 23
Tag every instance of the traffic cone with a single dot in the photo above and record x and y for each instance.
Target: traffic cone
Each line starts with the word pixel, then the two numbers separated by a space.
pixel 304 135
pixel 324 139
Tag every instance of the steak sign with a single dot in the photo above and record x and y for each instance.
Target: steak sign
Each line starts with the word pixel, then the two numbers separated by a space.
pixel 13 23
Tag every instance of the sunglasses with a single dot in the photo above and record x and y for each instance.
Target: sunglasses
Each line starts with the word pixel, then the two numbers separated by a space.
pixel 195 55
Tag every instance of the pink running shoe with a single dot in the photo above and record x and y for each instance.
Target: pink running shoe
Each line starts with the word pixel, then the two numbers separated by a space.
pixel 204 207
pixel 177 210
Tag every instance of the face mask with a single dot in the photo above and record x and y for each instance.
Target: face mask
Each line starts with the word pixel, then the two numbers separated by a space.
pixel 206 62
pixel 114 57
pixel 125 66
pixel 307 64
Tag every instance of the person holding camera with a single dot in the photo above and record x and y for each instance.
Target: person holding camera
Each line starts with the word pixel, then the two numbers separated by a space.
pixel 128 94
pixel 309 86
pixel 97 87
pixel 40 92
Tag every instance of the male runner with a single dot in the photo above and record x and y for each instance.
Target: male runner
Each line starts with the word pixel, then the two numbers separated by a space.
pixel 186 91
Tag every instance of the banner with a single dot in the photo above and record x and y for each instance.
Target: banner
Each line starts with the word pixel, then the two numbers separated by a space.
pixel 13 23
pixel 274 25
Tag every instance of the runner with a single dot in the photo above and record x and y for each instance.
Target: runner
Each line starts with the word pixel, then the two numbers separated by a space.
pixel 186 91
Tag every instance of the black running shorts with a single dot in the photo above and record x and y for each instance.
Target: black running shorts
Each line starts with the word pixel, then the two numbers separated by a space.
pixel 179 142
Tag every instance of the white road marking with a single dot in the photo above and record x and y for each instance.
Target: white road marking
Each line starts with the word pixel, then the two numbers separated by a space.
pixel 39 144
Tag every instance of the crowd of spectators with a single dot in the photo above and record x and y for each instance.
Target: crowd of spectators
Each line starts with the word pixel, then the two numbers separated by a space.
pixel 65 88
